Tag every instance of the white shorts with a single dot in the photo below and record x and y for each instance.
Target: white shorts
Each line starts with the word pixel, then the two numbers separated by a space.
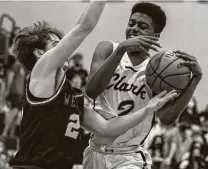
pixel 136 160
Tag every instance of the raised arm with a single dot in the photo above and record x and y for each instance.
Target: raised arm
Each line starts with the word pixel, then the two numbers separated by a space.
pixel 55 58
pixel 103 66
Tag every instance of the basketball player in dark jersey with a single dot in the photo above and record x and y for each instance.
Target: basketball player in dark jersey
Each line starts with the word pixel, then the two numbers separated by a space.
pixel 50 136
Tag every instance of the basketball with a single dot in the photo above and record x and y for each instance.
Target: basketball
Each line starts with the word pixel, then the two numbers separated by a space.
pixel 164 72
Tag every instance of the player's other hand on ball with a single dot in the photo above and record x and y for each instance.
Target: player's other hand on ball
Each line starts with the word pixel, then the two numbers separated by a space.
pixel 140 43
pixel 191 62
pixel 161 99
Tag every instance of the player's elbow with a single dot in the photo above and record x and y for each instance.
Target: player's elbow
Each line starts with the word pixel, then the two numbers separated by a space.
pixel 166 122
pixel 91 91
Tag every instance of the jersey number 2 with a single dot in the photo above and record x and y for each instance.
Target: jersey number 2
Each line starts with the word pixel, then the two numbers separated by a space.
pixel 73 126
pixel 126 106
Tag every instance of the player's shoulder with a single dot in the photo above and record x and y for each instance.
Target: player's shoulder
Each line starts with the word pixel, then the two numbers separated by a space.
pixel 105 44
pixel 104 49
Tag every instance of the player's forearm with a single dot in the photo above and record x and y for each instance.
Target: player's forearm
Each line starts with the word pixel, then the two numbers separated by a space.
pixel 89 19
pixel 119 125
pixel 98 82
pixel 55 58
pixel 173 109
pixel 95 123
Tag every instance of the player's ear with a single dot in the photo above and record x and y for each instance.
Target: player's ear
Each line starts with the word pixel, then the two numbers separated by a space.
pixel 157 35
pixel 38 52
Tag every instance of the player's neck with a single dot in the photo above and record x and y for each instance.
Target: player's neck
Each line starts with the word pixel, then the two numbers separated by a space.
pixel 137 58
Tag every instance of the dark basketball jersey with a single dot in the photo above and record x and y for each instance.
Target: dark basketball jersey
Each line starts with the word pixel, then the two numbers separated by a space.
pixel 51 136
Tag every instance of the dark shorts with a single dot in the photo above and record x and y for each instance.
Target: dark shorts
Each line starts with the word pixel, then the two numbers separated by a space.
pixel 16 100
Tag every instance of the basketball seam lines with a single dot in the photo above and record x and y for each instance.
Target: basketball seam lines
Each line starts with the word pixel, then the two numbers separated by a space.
pixel 158 75
pixel 176 74
pixel 157 65
pixel 162 80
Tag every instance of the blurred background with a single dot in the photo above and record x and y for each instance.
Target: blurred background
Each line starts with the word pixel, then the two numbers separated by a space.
pixel 183 145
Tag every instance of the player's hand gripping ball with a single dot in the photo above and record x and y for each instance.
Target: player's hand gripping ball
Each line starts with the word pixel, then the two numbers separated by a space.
pixel 165 72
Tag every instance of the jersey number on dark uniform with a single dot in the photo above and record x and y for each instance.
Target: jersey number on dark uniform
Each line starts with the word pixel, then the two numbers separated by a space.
pixel 73 126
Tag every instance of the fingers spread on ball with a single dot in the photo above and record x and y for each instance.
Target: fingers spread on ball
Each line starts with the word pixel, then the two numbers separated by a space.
pixel 162 94
pixel 171 95
pixel 185 56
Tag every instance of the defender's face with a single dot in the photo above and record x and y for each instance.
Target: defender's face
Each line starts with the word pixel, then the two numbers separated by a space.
pixel 52 42
pixel 139 24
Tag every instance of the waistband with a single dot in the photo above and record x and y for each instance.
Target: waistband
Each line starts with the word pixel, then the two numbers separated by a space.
pixel 114 150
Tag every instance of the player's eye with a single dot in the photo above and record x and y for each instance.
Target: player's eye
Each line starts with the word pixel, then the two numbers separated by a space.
pixel 55 43
pixel 131 23
pixel 143 26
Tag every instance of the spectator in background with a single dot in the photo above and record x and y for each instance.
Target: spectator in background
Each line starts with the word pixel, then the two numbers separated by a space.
pixel 204 119
pixel 177 142
pixel 16 79
pixel 194 158
pixel 191 113
pixel 78 76
pixel 15 84
pixel 170 146
pixel 76 73
pixel 4 158
pixel 156 150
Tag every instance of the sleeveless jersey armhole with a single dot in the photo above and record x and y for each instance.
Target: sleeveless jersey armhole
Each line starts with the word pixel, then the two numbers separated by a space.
pixel 35 101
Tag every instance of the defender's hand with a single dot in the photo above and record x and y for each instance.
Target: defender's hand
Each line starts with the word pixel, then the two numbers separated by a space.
pixel 161 99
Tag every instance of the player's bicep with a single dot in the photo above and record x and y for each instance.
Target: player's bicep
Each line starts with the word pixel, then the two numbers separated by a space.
pixel 102 52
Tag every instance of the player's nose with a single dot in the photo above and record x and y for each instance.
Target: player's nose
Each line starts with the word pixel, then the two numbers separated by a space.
pixel 135 30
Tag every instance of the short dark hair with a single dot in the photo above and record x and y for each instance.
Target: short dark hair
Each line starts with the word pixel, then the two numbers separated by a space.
pixel 30 38
pixel 154 11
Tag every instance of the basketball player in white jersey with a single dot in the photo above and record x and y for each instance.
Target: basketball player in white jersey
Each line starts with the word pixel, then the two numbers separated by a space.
pixel 117 85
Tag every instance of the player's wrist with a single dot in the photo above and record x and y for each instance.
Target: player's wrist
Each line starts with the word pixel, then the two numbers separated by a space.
pixel 121 47
pixel 120 50
pixel 149 109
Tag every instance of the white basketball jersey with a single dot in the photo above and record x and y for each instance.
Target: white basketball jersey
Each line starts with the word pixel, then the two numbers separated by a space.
pixel 125 94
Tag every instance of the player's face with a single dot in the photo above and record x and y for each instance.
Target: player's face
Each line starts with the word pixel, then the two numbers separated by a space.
pixel 139 24
pixel 52 42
